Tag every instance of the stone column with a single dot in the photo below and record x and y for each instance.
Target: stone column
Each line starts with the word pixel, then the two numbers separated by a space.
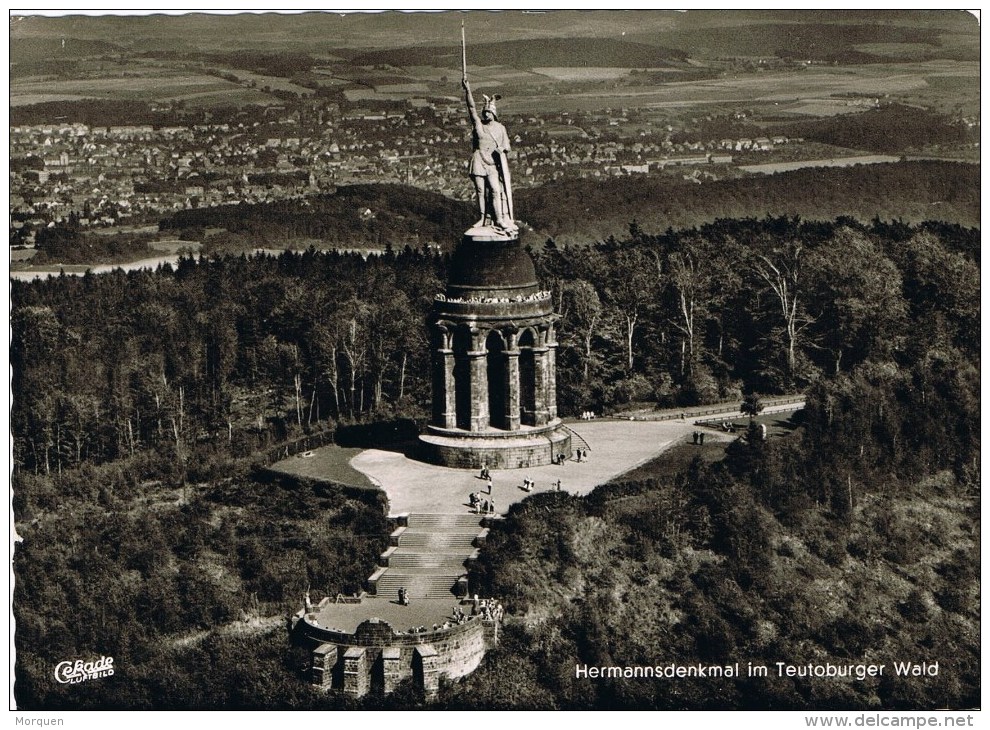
pixel 449 416
pixel 512 398
pixel 477 358
pixel 391 669
pixel 324 660
pixel 444 414
pixel 541 386
pixel 552 373
pixel 428 660
pixel 356 676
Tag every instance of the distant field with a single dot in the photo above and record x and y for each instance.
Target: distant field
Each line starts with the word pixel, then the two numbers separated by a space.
pixel 896 50
pixel 328 77
pixel 956 88
pixel 505 75
pixel 175 246
pixel 583 73
pixel 897 80
pixel 144 87
pixel 273 82
pixel 235 96
pixel 822 109
pixel 372 95
pixel 142 80
pixel 27 99
pixel 25 254
pixel 803 92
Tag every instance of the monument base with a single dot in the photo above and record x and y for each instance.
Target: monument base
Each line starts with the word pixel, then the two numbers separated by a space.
pixel 497 449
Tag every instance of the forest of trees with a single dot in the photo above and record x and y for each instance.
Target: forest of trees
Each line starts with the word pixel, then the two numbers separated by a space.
pixel 142 400
pixel 577 211
pixel 581 211
pixel 233 352
pixel 398 214
pixel 187 590
pixel 852 540
pixel 855 538
pixel 893 128
pixel 68 243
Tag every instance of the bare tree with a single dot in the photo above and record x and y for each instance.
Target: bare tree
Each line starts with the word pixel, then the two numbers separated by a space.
pixel 780 265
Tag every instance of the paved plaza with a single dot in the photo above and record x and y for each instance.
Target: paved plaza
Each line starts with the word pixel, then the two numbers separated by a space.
pixel 346 617
pixel 615 448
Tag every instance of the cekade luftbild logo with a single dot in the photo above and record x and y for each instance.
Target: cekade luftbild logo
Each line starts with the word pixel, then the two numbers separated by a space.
pixel 80 671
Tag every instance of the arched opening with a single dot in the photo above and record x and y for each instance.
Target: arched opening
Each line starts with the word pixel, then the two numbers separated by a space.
pixel 496 380
pixel 462 379
pixel 527 379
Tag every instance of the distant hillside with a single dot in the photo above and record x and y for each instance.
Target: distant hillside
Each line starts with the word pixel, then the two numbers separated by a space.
pixel 585 211
pixel 356 216
pixel 891 128
pixel 313 32
pixel 532 53
pixel 94 112
pixel 816 41
pixel 28 50
pixel 814 34
pixel 582 211
pixel 945 20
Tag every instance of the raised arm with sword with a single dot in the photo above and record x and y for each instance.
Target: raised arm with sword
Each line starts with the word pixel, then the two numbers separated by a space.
pixel 489 169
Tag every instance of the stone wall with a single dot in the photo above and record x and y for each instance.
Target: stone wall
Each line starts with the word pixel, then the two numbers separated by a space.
pixel 498 450
pixel 515 457
pixel 375 657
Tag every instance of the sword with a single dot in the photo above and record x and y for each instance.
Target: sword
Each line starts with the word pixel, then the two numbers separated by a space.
pixel 503 168
pixel 463 54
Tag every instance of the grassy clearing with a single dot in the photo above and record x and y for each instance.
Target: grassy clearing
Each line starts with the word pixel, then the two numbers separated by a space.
pixel 565 73
pixel 895 50
pixel 676 459
pixel 26 99
pixel 822 109
pixel 332 463
pixel 236 96
pixel 175 246
pixel 23 254
pixel 144 87
pixel 273 82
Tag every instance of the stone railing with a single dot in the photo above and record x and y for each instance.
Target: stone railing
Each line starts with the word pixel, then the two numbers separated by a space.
pixel 397 638
pixel 540 296
pixel 697 414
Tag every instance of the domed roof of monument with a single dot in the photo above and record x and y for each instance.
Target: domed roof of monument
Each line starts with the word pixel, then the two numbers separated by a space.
pixel 491 265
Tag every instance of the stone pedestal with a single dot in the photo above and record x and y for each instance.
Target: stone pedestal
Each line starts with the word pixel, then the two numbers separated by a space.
pixel 324 661
pixel 425 670
pixel 357 677
pixel 391 668
pixel 493 343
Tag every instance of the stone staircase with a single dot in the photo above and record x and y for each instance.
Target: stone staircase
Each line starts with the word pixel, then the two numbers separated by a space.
pixel 577 440
pixel 410 560
pixel 427 555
